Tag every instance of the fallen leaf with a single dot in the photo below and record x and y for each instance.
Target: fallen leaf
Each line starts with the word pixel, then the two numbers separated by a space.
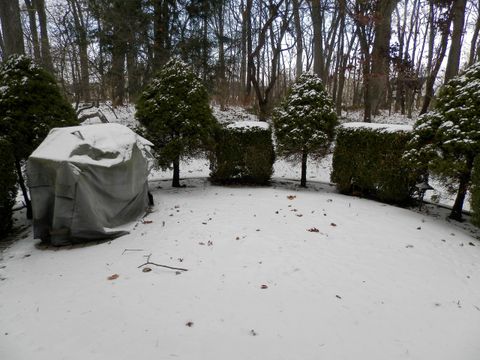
pixel 253 333
pixel 409 246
pixel 471 244
pixel 264 286
pixel 333 224
pixel 189 324
pixel 201 243
pixel 338 296
pixel 210 243
pixel 146 269
pixel 291 197
pixel 314 229
pixel 237 238
pixel 299 215
pixel 113 277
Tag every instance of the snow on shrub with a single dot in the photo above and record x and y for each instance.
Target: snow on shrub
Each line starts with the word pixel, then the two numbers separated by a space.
pixel 30 106
pixel 368 161
pixel 7 186
pixel 175 112
pixel 304 123
pixel 244 153
pixel 446 140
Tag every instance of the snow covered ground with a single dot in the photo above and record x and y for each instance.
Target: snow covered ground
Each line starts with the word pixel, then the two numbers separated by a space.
pixel 274 272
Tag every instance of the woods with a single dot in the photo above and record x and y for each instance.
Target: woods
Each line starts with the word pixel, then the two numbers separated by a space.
pixel 375 55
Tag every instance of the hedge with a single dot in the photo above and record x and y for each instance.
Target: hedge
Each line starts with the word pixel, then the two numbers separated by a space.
pixel 244 153
pixel 475 192
pixel 367 161
pixel 8 181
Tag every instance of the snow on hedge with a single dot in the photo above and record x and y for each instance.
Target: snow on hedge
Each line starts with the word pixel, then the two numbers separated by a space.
pixel 387 128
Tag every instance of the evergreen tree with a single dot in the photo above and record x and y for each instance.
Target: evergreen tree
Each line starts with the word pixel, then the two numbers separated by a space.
pixel 30 105
pixel 304 123
pixel 175 111
pixel 447 139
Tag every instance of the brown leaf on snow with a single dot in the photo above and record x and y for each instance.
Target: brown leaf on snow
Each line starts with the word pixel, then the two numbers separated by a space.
pixel 189 324
pixel 146 269
pixel 264 286
pixel 291 197
pixel 113 277
pixel 147 221
pixel 313 229
pixel 333 224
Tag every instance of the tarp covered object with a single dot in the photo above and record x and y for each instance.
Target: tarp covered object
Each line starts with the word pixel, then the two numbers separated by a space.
pixel 87 181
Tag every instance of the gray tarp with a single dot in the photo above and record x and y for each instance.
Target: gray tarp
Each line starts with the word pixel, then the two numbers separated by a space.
pixel 87 181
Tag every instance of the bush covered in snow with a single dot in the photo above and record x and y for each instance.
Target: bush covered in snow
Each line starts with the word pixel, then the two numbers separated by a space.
pixel 447 139
pixel 368 161
pixel 7 186
pixel 304 123
pixel 30 106
pixel 475 191
pixel 175 112
pixel 244 153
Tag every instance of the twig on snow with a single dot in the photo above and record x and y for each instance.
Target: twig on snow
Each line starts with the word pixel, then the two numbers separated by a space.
pixel 125 250
pixel 165 266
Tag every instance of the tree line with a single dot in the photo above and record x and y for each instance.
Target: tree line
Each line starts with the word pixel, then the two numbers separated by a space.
pixel 370 54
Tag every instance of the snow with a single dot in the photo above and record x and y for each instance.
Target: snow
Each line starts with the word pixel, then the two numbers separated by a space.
pixel 387 128
pixel 98 144
pixel 238 125
pixel 375 282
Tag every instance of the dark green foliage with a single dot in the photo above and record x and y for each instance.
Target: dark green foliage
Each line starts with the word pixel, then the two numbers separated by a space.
pixel 304 123
pixel 7 186
pixel 368 162
pixel 243 155
pixel 447 139
pixel 175 111
pixel 475 192
pixel 30 105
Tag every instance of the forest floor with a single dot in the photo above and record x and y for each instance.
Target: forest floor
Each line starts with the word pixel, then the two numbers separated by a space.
pixel 274 272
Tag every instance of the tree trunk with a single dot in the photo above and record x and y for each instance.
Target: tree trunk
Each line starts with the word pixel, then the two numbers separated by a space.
pixel 473 46
pixel 11 27
pixel 118 74
pixel 160 42
pixel 243 51
pixel 21 182
pixel 298 37
pixel 380 54
pixel 318 59
pixel 463 180
pixel 176 173
pixel 44 41
pixel 32 19
pixel 81 34
pixel 429 87
pixel 453 63
pixel 303 179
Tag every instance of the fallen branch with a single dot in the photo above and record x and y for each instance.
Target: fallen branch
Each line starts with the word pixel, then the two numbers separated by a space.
pixel 160 265
pixel 125 250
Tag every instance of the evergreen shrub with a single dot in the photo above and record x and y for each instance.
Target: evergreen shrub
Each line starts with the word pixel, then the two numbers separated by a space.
pixel 368 161
pixel 475 192
pixel 175 112
pixel 243 154
pixel 7 187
